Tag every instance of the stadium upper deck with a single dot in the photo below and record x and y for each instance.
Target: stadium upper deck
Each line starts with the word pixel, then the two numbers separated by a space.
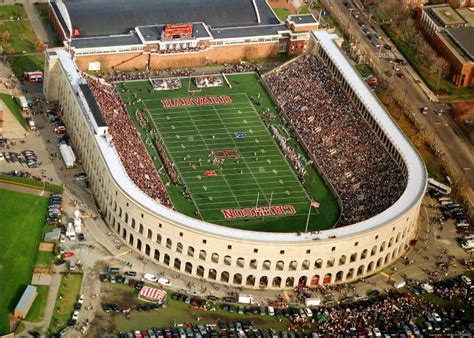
pixel 130 34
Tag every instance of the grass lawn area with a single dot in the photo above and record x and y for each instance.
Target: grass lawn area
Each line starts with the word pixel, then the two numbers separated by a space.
pixel 29 182
pixel 44 259
pixel 177 312
pixel 37 309
pixel 8 11
pixel 22 41
pixel 364 70
pixel 281 13
pixel 14 108
pixel 21 227
pixel 304 10
pixel 26 63
pixel 259 176
pixel 446 89
pixel 64 307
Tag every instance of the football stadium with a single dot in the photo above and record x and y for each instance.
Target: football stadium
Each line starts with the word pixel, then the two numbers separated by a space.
pixel 295 177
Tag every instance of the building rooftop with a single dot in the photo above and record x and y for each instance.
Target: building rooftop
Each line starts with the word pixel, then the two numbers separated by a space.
pixel 251 31
pixel 93 106
pixel 463 37
pixel 112 17
pixel 302 19
pixel 25 301
pixel 468 14
pixel 446 16
pixel 106 41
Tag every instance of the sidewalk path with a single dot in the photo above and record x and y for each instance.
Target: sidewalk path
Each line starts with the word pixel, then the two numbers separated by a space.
pixel 23 189
pixel 45 35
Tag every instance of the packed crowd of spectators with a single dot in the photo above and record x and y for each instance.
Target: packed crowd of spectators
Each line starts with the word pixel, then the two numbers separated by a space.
pixel 127 142
pixel 208 81
pixel 353 159
pixel 166 84
pixel 387 313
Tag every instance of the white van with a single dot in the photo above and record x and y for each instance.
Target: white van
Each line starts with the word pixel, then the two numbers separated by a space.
pixel 427 287
pixel 399 284
pixel 271 311
pixel 151 278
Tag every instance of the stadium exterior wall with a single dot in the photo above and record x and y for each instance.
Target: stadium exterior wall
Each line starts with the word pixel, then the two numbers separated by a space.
pixel 213 55
pixel 217 254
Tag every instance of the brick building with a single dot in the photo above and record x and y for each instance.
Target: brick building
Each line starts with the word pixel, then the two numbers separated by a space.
pixel 451 31
pixel 171 34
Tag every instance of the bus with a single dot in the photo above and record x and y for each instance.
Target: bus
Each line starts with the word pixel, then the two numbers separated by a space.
pixel 440 187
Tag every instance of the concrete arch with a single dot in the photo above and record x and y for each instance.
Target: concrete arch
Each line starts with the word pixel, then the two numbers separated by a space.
pixel 177 264
pixel 225 276
pixel 139 245
pixel 200 271
pixel 237 280
pixel 156 255
pixel 131 240
pixel 250 281
pixel 166 259
pixel 276 282
pixel 290 282
pixel 147 250
pixel 263 282
pixel 212 274
pixel 188 268
pixel 327 279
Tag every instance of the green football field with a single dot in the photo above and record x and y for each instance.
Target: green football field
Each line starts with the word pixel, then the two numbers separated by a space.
pixel 253 173
pixel 21 223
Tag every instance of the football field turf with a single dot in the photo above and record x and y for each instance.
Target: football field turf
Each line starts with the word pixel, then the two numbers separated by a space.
pixel 253 173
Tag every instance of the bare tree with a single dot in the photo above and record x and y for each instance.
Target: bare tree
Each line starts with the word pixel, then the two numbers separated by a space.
pixel 440 68
pixel 6 37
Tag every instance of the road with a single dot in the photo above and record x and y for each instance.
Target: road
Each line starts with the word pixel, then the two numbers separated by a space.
pixel 455 148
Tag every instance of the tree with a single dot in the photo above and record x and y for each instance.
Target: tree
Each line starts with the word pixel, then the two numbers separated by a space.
pixel 6 37
pixel 40 47
pixel 440 68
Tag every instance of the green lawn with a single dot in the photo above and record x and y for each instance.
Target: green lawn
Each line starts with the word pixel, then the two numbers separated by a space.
pixel 281 13
pixel 177 312
pixel 36 312
pixel 29 182
pixel 67 296
pixel 44 259
pixel 14 108
pixel 21 47
pixel 364 70
pixel 22 218
pixel 12 11
pixel 261 176
pixel 304 10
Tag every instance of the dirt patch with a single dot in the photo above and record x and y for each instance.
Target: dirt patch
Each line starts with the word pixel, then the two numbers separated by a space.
pixel 41 270
pixel 283 4
pixel 47 247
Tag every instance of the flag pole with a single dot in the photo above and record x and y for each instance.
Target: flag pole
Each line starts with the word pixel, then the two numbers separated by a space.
pixel 307 219
pixel 271 196
pixel 256 203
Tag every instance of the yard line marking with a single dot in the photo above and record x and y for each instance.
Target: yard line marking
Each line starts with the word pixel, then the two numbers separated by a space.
pixel 205 144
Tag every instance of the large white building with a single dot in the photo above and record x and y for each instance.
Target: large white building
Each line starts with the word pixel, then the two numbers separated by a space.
pixel 231 256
